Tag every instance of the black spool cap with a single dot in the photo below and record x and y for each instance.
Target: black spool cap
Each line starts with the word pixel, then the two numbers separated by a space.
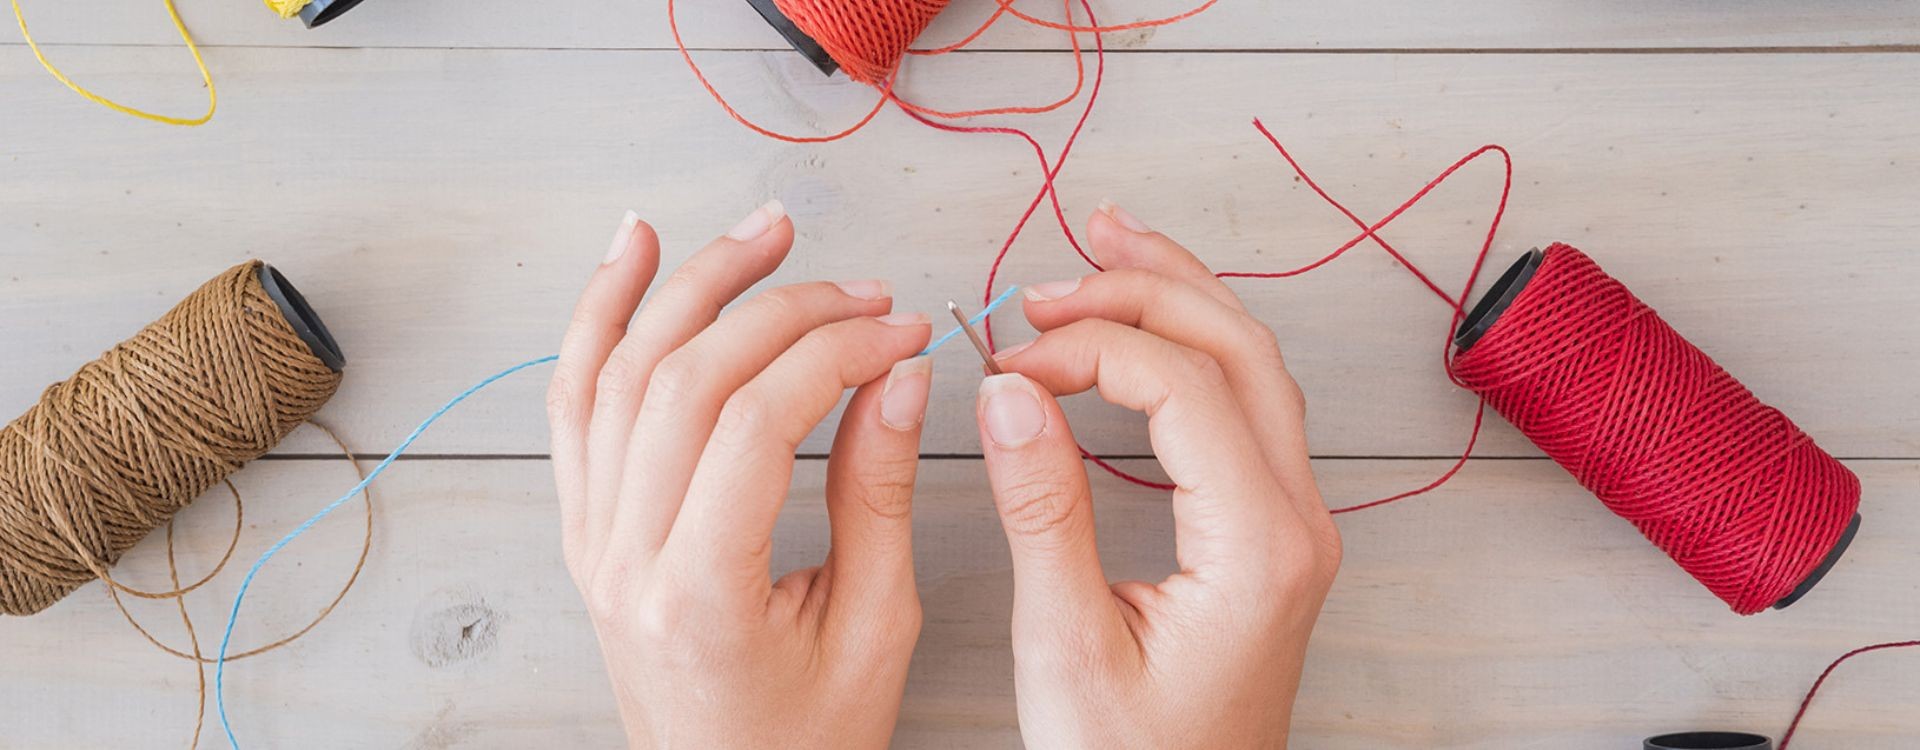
pixel 321 11
pixel 803 44
pixel 1708 741
pixel 1482 319
pixel 306 323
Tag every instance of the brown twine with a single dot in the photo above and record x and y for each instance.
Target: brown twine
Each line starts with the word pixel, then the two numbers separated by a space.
pixel 199 659
pixel 110 454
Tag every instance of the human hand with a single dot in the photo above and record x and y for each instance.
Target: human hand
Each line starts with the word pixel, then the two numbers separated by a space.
pixel 1210 657
pixel 673 444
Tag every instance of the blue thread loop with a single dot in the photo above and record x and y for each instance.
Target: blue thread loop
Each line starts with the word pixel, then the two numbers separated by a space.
pixel 974 321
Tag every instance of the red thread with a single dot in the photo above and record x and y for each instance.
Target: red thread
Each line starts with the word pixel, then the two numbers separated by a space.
pixel 1804 702
pixel 1726 485
pixel 869 38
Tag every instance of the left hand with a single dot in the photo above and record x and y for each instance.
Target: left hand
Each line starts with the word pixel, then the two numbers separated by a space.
pixel 673 444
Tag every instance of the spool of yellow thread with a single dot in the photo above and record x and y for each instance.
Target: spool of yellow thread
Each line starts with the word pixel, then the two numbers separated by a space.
pixel 311 12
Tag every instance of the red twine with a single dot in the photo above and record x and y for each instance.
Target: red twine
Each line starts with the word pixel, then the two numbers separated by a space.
pixel 1727 486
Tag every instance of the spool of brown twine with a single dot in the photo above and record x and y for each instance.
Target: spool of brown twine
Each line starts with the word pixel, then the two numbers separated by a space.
pixel 112 453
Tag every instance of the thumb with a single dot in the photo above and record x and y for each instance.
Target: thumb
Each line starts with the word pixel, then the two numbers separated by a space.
pixel 1040 489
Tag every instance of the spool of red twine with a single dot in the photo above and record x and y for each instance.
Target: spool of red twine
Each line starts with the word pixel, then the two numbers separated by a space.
pixel 867 39
pixel 1726 485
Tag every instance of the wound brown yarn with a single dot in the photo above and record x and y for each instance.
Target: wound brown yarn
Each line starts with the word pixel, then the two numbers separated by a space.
pixel 109 455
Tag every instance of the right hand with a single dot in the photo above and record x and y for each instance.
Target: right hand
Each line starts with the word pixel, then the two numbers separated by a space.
pixel 1210 657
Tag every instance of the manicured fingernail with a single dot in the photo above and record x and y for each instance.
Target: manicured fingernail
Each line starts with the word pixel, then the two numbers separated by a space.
pixel 1009 352
pixel 1012 411
pixel 1120 215
pixel 903 401
pixel 1052 290
pixel 869 289
pixel 622 237
pixel 758 222
pixel 904 319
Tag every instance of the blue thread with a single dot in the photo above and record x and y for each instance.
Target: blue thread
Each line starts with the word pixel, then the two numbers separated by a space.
pixel 975 320
pixel 233 615
pixel 220 663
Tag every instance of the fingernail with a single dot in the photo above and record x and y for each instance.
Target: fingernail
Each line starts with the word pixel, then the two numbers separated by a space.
pixel 1009 352
pixel 758 222
pixel 1013 414
pixel 904 319
pixel 869 289
pixel 903 401
pixel 622 237
pixel 1120 215
pixel 1052 290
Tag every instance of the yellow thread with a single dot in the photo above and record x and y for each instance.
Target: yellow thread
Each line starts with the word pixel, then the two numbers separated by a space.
pixel 213 99
pixel 287 8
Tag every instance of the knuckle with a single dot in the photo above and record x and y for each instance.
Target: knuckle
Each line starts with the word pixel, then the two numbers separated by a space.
pixel 886 486
pixel 622 378
pixel 1205 371
pixel 675 379
pixel 563 406
pixel 1035 505
pixel 748 413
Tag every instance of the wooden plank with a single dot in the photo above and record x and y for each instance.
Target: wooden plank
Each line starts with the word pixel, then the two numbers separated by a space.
pixel 1508 610
pixel 442 208
pixel 1232 24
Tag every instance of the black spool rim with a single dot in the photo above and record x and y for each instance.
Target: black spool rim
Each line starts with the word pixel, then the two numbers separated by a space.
pixel 1501 295
pixel 1709 741
pixel 319 12
pixel 1833 556
pixel 305 322
pixel 1496 300
pixel 801 43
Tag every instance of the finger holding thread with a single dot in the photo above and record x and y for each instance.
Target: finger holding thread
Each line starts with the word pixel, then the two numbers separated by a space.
pixel 1245 348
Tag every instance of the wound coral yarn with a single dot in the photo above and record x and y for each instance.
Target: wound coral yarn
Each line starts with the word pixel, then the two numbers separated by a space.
pixel 1726 485
pixel 109 455
pixel 868 38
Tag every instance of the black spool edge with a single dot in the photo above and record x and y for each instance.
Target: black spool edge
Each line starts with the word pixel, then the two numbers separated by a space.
pixel 1496 300
pixel 801 43
pixel 1709 741
pixel 306 323
pixel 321 11
pixel 1502 294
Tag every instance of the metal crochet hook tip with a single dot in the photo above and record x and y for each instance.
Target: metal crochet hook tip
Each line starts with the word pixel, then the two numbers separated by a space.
pixel 973 336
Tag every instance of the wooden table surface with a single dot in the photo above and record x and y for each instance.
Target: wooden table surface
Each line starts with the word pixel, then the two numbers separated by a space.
pixel 439 176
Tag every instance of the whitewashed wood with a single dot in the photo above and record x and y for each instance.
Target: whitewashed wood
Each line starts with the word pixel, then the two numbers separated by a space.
pixel 1232 24
pixel 442 208
pixel 1508 610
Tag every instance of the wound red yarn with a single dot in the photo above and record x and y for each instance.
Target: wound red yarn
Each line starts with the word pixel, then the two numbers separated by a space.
pixel 1727 486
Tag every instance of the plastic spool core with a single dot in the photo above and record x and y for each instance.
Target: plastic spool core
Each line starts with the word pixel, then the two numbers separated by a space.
pixel 321 11
pixel 1708 741
pixel 801 43
pixel 1486 314
pixel 306 323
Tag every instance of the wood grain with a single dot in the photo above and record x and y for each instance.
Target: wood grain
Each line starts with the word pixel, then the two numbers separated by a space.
pixel 1232 24
pixel 1508 610
pixel 441 208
